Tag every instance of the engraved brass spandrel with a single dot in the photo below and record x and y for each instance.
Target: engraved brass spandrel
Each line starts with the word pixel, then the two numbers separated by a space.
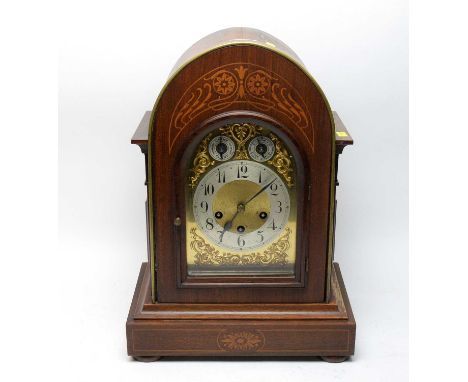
pixel 201 163
pixel 282 161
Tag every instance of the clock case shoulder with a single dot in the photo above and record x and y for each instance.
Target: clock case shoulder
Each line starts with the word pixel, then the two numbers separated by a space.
pixel 342 135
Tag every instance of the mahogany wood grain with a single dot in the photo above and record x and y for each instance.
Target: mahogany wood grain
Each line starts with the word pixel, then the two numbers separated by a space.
pixel 145 309
pixel 140 136
pixel 273 335
pixel 341 140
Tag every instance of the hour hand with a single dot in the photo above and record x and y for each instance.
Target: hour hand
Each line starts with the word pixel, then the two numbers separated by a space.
pixel 228 225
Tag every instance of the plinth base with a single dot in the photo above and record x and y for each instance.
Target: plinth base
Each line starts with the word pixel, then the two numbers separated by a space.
pixel 326 330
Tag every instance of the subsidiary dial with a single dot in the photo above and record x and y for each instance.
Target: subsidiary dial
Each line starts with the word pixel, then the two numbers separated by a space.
pixel 221 148
pixel 261 149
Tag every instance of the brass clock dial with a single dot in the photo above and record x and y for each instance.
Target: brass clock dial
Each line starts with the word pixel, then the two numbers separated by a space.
pixel 241 205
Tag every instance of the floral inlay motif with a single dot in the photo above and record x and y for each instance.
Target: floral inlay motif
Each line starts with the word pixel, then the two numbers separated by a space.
pixel 242 85
pixel 242 340
pixel 224 84
pixel 258 84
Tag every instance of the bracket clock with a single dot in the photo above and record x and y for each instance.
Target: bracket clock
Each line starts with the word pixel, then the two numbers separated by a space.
pixel 241 152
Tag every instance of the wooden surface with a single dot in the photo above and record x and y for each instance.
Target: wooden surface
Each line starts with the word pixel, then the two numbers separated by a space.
pixel 237 331
pixel 145 309
pixel 140 136
pixel 342 136
pixel 236 35
pixel 295 109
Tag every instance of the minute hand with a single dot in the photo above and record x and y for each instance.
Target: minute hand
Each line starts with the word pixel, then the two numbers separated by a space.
pixel 259 192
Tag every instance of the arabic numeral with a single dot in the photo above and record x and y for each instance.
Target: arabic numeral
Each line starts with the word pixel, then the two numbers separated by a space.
pixel 274 188
pixel 242 171
pixel 209 189
pixel 280 208
pixel 209 224
pixel 261 236
pixel 272 225
pixel 221 176
pixel 204 205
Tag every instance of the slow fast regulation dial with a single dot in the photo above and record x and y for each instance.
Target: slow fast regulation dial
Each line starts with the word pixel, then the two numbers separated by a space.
pixel 221 148
pixel 261 148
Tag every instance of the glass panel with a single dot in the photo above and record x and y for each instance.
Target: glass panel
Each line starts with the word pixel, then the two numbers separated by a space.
pixel 241 204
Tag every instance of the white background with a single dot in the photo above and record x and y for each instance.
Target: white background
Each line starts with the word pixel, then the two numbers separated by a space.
pixel 113 60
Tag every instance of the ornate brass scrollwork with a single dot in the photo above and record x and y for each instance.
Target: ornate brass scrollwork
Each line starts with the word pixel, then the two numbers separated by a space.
pixel 201 162
pixel 205 253
pixel 241 133
pixel 282 161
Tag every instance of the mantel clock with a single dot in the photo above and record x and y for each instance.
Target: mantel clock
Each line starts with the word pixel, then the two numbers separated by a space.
pixel 241 152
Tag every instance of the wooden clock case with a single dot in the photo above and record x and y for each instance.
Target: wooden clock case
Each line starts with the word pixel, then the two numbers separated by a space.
pixel 240 74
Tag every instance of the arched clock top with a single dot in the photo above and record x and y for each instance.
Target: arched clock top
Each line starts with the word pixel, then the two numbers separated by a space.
pixel 236 36
pixel 245 69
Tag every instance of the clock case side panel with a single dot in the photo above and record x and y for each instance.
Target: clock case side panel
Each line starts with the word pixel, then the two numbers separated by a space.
pixel 162 204
pixel 186 151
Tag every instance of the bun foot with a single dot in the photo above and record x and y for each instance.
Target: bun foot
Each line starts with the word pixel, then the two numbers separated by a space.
pixel 334 359
pixel 146 358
